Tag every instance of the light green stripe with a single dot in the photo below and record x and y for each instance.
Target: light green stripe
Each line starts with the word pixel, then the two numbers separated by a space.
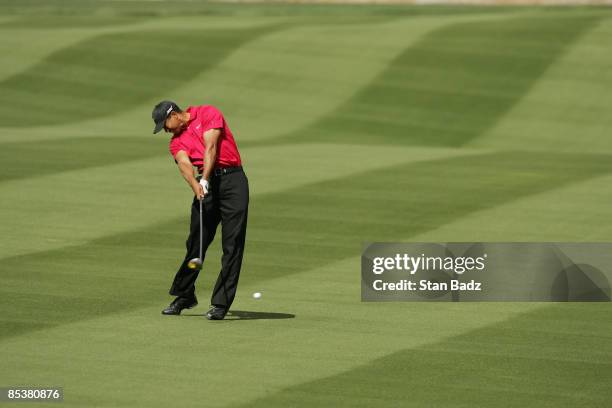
pixel 578 212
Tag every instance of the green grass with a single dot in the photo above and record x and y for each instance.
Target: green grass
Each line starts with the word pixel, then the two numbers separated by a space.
pixel 452 85
pixel 355 124
pixel 144 8
pixel 539 358
pixel 106 74
pixel 61 155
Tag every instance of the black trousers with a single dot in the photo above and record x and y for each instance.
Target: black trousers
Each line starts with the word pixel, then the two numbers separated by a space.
pixel 227 202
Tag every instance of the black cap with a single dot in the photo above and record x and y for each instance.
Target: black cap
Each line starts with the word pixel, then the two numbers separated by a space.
pixel 161 112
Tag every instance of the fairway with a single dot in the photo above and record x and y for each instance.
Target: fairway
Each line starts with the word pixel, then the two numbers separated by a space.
pixel 355 124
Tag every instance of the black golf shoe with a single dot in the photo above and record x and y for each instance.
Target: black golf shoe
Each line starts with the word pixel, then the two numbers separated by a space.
pixel 179 304
pixel 216 313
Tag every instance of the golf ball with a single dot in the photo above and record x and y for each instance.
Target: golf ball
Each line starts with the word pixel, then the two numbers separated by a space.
pixel 256 295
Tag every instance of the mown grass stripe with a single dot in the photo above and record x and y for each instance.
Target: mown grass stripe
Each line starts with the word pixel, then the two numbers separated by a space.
pixel 108 73
pixel 453 84
pixel 538 358
pixel 575 216
pixel 567 109
pixel 34 159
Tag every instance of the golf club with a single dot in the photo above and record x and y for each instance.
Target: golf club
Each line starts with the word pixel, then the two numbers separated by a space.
pixel 196 263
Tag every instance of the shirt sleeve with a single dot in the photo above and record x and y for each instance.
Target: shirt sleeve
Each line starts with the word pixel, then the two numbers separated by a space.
pixel 176 146
pixel 214 119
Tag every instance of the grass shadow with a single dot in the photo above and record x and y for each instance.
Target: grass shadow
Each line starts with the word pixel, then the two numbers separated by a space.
pixel 246 315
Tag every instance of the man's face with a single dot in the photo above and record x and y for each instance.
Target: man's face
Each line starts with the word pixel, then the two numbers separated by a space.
pixel 173 123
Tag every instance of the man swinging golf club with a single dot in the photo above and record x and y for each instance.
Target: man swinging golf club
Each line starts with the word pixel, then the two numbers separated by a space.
pixel 201 138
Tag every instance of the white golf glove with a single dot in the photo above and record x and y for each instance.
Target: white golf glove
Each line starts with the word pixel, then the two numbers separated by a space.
pixel 205 185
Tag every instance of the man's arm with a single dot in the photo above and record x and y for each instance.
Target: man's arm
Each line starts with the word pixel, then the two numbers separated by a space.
pixel 211 141
pixel 186 169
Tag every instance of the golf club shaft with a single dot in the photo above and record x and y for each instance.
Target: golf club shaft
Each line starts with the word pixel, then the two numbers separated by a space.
pixel 201 230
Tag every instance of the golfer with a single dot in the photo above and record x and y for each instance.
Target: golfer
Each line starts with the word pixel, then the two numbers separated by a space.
pixel 202 139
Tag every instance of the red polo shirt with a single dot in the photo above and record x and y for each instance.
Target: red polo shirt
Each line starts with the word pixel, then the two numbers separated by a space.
pixel 191 140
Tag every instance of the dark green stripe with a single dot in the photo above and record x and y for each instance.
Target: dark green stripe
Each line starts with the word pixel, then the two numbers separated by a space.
pixel 45 22
pixel 33 159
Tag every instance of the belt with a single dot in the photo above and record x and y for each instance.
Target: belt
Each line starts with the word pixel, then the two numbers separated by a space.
pixel 220 171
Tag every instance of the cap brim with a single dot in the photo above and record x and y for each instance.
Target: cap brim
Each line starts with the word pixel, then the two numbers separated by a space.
pixel 158 126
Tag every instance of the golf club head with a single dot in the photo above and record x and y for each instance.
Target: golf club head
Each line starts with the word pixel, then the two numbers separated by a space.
pixel 195 263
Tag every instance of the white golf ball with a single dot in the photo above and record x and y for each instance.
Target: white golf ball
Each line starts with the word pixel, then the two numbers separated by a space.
pixel 256 295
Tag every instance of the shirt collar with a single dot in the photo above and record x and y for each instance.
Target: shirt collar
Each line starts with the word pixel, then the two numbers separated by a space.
pixel 193 113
